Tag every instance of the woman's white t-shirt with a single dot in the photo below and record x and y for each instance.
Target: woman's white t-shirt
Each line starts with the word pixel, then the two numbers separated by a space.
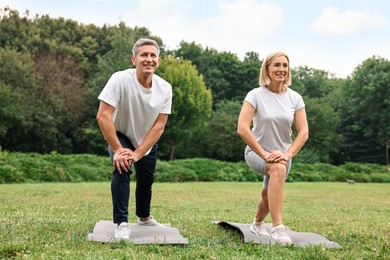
pixel 274 116
pixel 136 107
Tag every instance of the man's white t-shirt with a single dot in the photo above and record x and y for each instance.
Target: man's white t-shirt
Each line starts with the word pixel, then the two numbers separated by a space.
pixel 274 116
pixel 136 107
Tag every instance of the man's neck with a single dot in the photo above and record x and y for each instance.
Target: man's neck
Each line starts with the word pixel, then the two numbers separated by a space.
pixel 145 80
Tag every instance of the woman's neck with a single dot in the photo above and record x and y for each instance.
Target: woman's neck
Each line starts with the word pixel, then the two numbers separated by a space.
pixel 277 88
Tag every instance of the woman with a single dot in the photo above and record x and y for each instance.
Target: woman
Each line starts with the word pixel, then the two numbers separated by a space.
pixel 273 107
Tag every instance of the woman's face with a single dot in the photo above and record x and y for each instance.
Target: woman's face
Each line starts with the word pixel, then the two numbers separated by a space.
pixel 278 69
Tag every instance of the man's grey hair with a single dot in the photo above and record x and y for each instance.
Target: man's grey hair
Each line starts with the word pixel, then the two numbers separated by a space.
pixel 145 41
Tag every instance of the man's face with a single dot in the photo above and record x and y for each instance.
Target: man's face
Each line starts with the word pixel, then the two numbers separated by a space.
pixel 146 60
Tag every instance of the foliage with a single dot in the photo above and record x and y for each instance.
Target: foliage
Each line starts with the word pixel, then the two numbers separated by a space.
pixel 313 83
pixel 191 102
pixel 226 76
pixel 323 121
pixel 53 69
pixel 33 167
pixel 307 155
pixel 226 145
pixel 54 167
pixel 365 115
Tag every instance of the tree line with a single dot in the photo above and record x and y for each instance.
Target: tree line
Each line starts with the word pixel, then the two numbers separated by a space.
pixel 52 70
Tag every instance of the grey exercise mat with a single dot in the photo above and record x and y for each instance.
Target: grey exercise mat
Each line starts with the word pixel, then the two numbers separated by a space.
pixel 104 232
pixel 299 239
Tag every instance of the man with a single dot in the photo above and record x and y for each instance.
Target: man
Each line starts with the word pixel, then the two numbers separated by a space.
pixel 133 111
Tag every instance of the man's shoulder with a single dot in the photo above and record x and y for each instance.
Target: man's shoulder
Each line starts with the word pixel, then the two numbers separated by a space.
pixel 161 82
pixel 124 73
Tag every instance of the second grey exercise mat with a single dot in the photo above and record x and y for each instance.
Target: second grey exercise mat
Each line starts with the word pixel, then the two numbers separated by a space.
pixel 104 232
pixel 299 239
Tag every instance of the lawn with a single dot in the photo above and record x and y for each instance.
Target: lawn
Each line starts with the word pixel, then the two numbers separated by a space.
pixel 52 220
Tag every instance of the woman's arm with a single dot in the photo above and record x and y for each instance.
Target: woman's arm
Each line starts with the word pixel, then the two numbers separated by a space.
pixel 303 133
pixel 243 130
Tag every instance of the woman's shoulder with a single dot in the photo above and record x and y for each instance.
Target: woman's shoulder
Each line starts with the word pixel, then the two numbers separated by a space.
pixel 293 92
pixel 256 90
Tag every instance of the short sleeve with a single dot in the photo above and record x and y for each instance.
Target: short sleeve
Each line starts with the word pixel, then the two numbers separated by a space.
pixel 167 106
pixel 111 92
pixel 251 99
pixel 299 102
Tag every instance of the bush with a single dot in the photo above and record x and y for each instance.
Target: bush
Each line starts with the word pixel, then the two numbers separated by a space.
pixel 54 167
pixel 307 155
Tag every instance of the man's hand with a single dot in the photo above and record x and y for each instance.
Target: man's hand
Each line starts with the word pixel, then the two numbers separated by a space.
pixel 135 156
pixel 122 160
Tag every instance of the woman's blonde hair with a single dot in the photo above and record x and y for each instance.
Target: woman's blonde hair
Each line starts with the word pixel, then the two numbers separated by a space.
pixel 264 79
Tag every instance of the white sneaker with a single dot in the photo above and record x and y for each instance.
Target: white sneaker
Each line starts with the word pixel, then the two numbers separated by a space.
pixel 279 234
pixel 122 232
pixel 258 228
pixel 150 222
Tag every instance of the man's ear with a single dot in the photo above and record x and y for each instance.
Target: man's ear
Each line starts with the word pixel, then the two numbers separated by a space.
pixel 158 64
pixel 133 60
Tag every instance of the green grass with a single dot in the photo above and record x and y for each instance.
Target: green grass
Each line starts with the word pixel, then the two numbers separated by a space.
pixel 52 220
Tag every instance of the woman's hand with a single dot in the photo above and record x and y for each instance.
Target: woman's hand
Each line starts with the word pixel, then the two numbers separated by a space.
pixel 276 156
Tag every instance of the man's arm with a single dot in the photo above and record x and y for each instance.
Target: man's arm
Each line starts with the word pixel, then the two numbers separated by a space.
pixel 151 137
pixel 121 159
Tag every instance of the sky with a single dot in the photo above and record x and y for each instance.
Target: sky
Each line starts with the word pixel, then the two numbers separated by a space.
pixel 331 35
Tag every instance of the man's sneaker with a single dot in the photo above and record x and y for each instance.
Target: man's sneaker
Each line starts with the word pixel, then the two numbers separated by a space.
pixel 122 232
pixel 150 222
pixel 279 234
pixel 258 228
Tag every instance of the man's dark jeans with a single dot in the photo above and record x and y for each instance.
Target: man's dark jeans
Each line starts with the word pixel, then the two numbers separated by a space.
pixel 120 184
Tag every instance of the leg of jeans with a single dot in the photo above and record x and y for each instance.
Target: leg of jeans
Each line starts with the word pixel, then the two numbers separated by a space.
pixel 120 186
pixel 120 192
pixel 144 170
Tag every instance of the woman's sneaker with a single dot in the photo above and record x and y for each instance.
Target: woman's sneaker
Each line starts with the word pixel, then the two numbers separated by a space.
pixel 258 228
pixel 150 222
pixel 279 234
pixel 122 231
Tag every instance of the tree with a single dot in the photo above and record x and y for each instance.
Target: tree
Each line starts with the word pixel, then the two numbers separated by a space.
pixel 192 102
pixel 323 122
pixel 226 76
pixel 365 112
pixel 313 83
pixel 322 95
pixel 30 124
pixel 222 141
pixel 11 111
pixel 16 85
pixel 15 32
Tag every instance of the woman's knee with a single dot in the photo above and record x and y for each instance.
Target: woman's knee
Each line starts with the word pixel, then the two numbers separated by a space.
pixel 276 170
